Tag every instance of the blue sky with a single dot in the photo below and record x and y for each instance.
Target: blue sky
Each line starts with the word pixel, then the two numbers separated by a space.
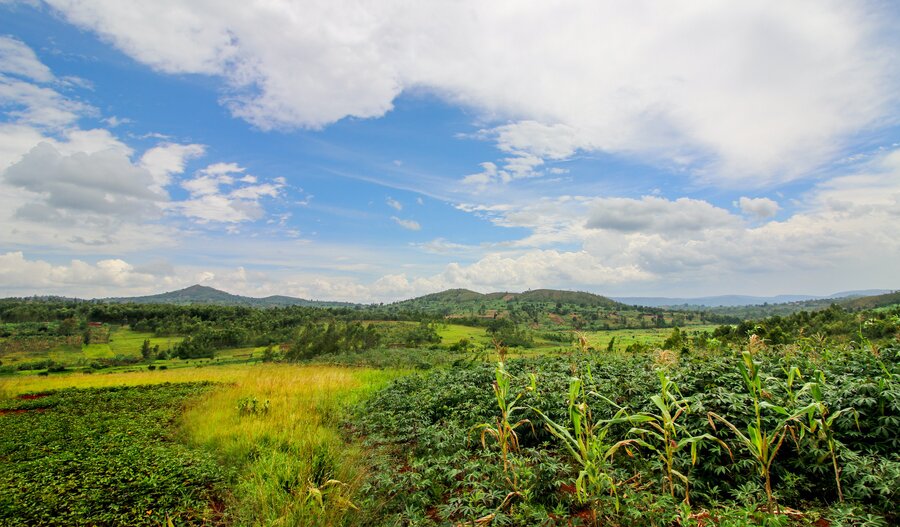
pixel 339 151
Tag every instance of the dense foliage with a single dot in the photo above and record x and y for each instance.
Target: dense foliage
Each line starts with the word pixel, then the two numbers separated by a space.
pixel 103 457
pixel 433 427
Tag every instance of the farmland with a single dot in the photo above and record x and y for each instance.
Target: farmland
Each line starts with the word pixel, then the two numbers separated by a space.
pixel 216 415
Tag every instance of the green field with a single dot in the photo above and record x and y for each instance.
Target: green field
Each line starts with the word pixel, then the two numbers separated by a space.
pixel 123 342
pixel 350 421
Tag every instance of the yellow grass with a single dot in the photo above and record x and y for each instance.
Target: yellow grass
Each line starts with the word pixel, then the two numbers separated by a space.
pixel 287 453
pixel 19 384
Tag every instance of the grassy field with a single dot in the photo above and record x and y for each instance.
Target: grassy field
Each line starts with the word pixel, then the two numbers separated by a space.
pixel 274 427
pixel 453 333
pixel 123 342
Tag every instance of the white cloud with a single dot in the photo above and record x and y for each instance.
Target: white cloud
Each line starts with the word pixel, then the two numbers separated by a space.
pixel 168 159
pixel 36 105
pixel 104 182
pixel 769 88
pixel 210 203
pixel 222 169
pixel 411 225
pixel 758 208
pixel 114 121
pixel 114 276
pixel 394 204
pixel 17 58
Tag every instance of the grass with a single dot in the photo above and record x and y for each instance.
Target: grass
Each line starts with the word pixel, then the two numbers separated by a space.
pixel 287 454
pixel 20 384
pixel 453 333
pixel 122 342
pixel 282 458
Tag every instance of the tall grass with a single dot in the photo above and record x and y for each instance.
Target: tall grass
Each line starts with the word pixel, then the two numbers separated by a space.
pixel 292 466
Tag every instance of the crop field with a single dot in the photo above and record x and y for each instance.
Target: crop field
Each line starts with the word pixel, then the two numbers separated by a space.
pixel 267 435
pixel 267 418
pixel 103 457
pixel 118 342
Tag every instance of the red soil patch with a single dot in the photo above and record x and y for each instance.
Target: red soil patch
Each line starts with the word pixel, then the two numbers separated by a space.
pixel 32 396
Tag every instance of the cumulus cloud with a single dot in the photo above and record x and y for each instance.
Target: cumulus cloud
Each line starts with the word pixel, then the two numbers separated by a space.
pixel 240 202
pixel 411 225
pixel 104 182
pixel 167 159
pixel 657 215
pixel 112 275
pixel 765 88
pixel 758 208
pixel 394 204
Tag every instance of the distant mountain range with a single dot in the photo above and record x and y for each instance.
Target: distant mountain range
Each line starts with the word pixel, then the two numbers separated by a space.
pixel 200 294
pixel 739 300
pixel 465 300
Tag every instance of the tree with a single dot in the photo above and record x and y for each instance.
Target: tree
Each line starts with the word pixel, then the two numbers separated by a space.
pixel 146 350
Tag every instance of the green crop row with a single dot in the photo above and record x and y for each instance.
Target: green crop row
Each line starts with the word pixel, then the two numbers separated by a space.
pixel 103 457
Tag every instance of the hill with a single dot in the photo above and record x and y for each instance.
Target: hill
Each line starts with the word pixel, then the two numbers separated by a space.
pixel 200 294
pixel 464 300
pixel 871 302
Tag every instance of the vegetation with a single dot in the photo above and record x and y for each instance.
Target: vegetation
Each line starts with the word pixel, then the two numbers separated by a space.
pixel 104 457
pixel 315 417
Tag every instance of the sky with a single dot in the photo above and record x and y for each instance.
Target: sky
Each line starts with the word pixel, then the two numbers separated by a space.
pixel 376 151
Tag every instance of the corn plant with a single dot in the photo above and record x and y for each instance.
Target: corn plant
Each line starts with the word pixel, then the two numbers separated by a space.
pixel 762 444
pixel 503 430
pixel 663 434
pixel 820 421
pixel 587 442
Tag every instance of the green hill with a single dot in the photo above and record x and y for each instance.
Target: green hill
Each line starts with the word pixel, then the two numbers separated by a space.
pixel 454 301
pixel 200 294
pixel 871 302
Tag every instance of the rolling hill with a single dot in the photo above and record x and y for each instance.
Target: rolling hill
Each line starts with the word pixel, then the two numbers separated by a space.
pixel 461 300
pixel 199 294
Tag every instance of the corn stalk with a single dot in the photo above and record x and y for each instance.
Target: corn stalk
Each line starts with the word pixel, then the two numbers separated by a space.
pixel 663 434
pixel 820 421
pixel 762 444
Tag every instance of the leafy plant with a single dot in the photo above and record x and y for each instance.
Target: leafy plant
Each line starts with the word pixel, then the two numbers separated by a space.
pixel 820 422
pixel 252 406
pixel 762 443
pixel 587 442
pixel 663 434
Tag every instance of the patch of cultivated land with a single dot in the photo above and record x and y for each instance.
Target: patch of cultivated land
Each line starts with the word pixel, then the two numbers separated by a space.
pixel 133 448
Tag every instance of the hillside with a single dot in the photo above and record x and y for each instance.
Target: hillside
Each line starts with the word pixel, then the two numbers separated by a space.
pixel 871 302
pixel 199 294
pixel 464 300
